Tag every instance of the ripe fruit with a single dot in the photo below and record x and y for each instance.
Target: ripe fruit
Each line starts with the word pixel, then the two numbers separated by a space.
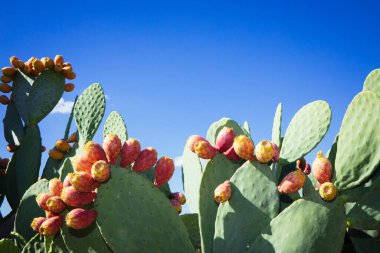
pixel 55 154
pixel 225 139
pixel 55 204
pixel 231 154
pixel 83 181
pixel 55 186
pixel 244 147
pixel 48 62
pixel 204 150
pixel 4 100
pixel 70 75
pixel 322 168
pixel 276 152
pixel 164 171
pixel 75 198
pixel 112 147
pixel 58 59
pixel 130 152
pixel 177 206
pixel 66 182
pixel 92 152
pixel 146 159
pixel 69 87
pixel 192 140
pixel 6 79
pixel 62 145
pixel 5 88
pixel 16 62
pixel 36 223
pixel 38 65
pixel 51 226
pixel 79 218
pixel 180 197
pixel 41 200
pixel 264 151
pixel 73 138
pixel 327 191
pixel 223 192
pixel 100 171
pixel 292 183
pixel 8 71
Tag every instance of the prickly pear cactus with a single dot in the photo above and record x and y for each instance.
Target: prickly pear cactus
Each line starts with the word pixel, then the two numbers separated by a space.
pixel 13 127
pixel 115 125
pixel 276 130
pixel 372 82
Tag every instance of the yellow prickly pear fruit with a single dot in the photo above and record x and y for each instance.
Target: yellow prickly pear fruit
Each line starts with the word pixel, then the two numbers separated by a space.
pixel 192 140
pixel 223 192
pixel 48 62
pixel 62 145
pixel 327 191
pixel 55 204
pixel 69 87
pixel 36 223
pixel 100 171
pixel 4 100
pixel 244 147
pixel 264 151
pixel 8 71
pixel 204 150
pixel 5 88
pixel 55 154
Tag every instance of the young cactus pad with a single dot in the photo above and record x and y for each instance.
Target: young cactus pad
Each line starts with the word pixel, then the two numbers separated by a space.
pixel 115 125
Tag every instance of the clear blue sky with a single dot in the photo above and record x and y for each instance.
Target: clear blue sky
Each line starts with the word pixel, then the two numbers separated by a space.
pixel 173 68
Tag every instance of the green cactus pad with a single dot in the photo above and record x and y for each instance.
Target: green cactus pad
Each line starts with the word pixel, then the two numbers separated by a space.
pixel 35 245
pixel 53 168
pixel 372 82
pixel 58 245
pixel 22 86
pixel 133 216
pixel 362 242
pixel 47 89
pixel 149 174
pixel 89 111
pixel 192 226
pixel 115 125
pixel 287 200
pixel 307 128
pixel 254 202
pixel 66 168
pixel 247 129
pixel 217 170
pixel 359 137
pixel 215 127
pixel 29 209
pixel 24 166
pixel 276 129
pixel 192 174
pixel 331 155
pixel 13 126
pixel 70 120
pixel 8 246
pixel 305 226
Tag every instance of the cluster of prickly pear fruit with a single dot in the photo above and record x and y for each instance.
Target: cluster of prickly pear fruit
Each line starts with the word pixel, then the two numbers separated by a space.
pixel 61 147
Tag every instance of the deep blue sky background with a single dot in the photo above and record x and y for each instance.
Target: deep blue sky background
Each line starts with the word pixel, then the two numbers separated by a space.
pixel 172 68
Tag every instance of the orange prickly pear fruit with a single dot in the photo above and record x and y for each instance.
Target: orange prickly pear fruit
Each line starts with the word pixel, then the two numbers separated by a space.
pixel 65 64
pixel 231 154
pixel 41 200
pixel 75 198
pixel 16 62
pixel 70 75
pixel 55 186
pixel 36 223
pixel 100 171
pixel 58 60
pixel 38 65
pixel 112 147
pixel 4 100
pixel 5 88
pixel 55 154
pixel 55 204
pixel 8 71
pixel 164 171
pixel 244 147
pixel 292 183
pixel 192 140
pixel 146 159
pixel 83 181
pixel 82 163
pixel 51 226
pixel 180 197
pixel 225 139
pixel 276 152
pixel 66 70
pixel 6 79
pixel 62 145
pixel 69 87
pixel 92 152
pixel 57 68
pixel 322 168
pixel 27 69
pixel 73 138
pixel 79 218
pixel 50 214
pixel 204 150
pixel 264 151
pixel 130 152
pixel 48 62
pixel 177 206
pixel 223 192
pixel 327 191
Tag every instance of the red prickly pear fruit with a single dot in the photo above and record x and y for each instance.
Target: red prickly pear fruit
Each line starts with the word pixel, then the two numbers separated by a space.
pixel 223 192
pixel 192 140
pixel 130 152
pixel 100 171
pixel 81 163
pixel 292 183
pixel 50 214
pixel 231 154
pixel 51 226
pixel 55 204
pixel 244 147
pixel 177 206
pixel 264 151
pixel 276 152
pixel 327 191
pixel 307 169
pixel 41 200
pixel 146 159
pixel 204 150
pixel 55 186
pixel 79 218
pixel 164 171
pixel 180 197
pixel 322 168
pixel 112 147
pixel 75 198
pixel 36 223
pixel 92 152
pixel 303 166
pixel 225 139
pixel 82 181
pixel 62 145
pixel 66 182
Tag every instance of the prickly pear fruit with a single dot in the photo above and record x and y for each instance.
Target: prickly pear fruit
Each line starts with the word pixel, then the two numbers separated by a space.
pixel 58 60
pixel 204 150
pixel 4 100
pixel 41 200
pixel 177 206
pixel 6 79
pixel 48 62
pixel 73 138
pixel 16 62
pixel 130 152
pixel 66 181
pixel 92 152
pixel 75 198
pixel 223 192
pixel 38 65
pixel 264 151
pixel 178 196
pixel 62 145
pixel 36 223
pixel 164 171
pixel 55 186
pixel 146 159
pixel 82 181
pixel 225 139
pixel 276 152
pixel 8 71
pixel 231 154
pixel 303 166
pixel 5 88
pixel 51 226
pixel 112 147
pixel 69 87
pixel 55 204
pixel 327 191
pixel 55 154
pixel 322 168
pixel 192 140
pixel 79 218
pixel 50 214
pixel 11 148
pixel 244 147
pixel 100 171
pixel 292 183
pixel 70 75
